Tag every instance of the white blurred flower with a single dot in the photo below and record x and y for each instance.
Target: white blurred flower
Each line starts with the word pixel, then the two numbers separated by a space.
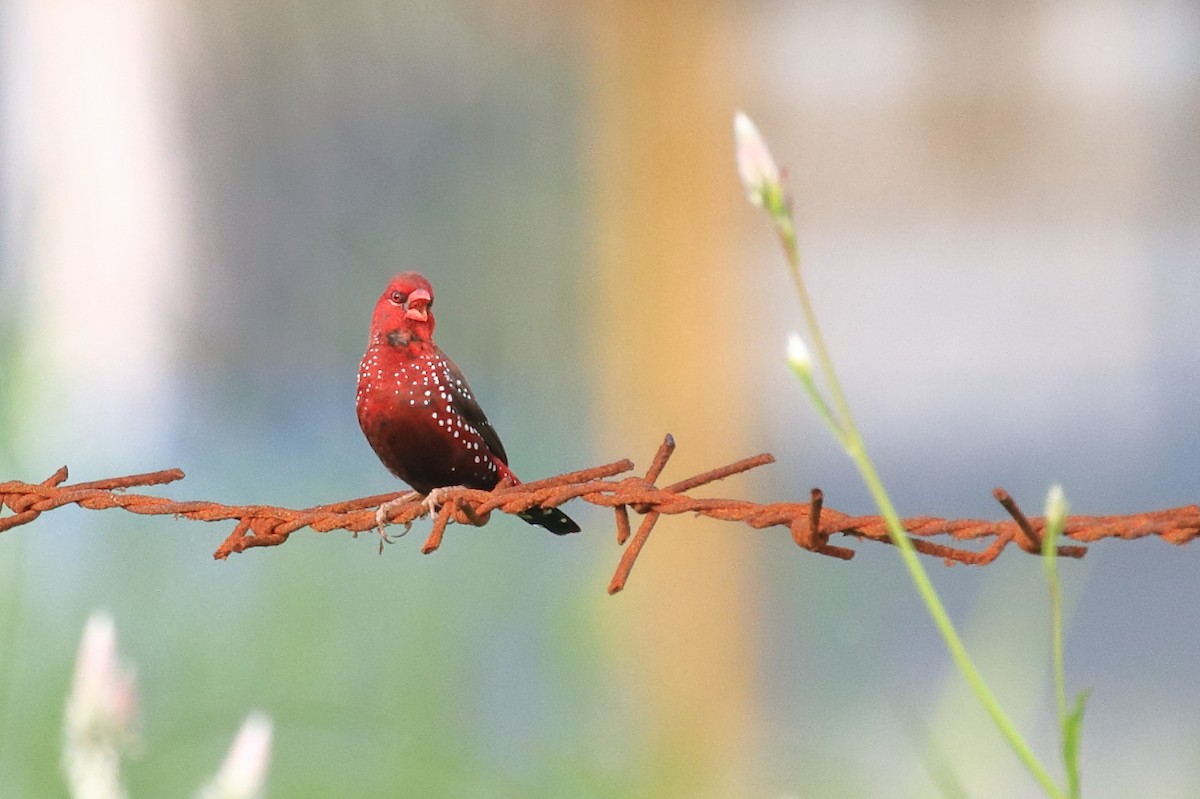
pixel 244 772
pixel 1056 507
pixel 798 356
pixel 755 165
pixel 101 714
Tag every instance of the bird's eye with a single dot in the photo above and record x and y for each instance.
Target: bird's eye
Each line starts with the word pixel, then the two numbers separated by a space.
pixel 398 297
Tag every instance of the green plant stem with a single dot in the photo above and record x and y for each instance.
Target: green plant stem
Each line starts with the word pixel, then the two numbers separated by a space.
pixel 1069 720
pixel 941 620
pixel 1056 630
pixel 1059 669
pixel 854 445
pixel 781 214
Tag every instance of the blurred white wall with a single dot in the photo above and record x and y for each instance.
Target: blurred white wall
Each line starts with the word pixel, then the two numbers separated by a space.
pixel 96 225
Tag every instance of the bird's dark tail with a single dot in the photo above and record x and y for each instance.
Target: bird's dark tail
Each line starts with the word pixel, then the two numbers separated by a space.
pixel 552 519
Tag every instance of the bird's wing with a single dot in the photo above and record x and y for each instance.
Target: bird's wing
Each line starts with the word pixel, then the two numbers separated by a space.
pixel 468 407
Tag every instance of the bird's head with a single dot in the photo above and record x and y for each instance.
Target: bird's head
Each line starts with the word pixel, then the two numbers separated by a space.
pixel 404 312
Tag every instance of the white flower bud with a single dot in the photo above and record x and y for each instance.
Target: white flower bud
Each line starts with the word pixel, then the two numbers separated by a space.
pixel 797 355
pixel 244 772
pixel 755 165
pixel 1056 507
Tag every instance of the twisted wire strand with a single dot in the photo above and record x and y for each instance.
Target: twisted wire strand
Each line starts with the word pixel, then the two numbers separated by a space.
pixel 810 523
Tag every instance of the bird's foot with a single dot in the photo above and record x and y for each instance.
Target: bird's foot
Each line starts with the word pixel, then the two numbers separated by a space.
pixel 463 512
pixel 433 500
pixel 383 517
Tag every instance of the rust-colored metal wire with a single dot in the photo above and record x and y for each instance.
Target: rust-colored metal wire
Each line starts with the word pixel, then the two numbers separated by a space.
pixel 810 523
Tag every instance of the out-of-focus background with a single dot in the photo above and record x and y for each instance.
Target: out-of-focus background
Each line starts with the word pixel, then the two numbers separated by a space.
pixel 201 202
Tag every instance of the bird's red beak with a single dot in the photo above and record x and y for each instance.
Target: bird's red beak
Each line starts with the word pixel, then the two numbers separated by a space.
pixel 418 305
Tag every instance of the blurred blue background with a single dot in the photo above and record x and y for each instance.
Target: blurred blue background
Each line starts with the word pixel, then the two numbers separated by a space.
pixel 202 201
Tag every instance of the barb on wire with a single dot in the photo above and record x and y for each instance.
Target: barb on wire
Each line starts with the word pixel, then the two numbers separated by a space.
pixel 810 523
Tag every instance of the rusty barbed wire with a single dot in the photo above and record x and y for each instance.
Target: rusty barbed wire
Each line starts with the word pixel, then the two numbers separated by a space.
pixel 811 523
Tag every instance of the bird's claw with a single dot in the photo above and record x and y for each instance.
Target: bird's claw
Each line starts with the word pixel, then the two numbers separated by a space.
pixel 431 503
pixel 384 538
pixel 383 518
pixel 433 500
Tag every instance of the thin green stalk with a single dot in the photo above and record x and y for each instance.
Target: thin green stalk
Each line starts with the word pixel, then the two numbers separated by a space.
pixel 781 215
pixel 761 178
pixel 1050 561
pixel 844 425
pixel 941 620
pixel 1070 719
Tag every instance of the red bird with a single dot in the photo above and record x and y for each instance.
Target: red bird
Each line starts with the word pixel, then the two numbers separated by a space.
pixel 419 414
